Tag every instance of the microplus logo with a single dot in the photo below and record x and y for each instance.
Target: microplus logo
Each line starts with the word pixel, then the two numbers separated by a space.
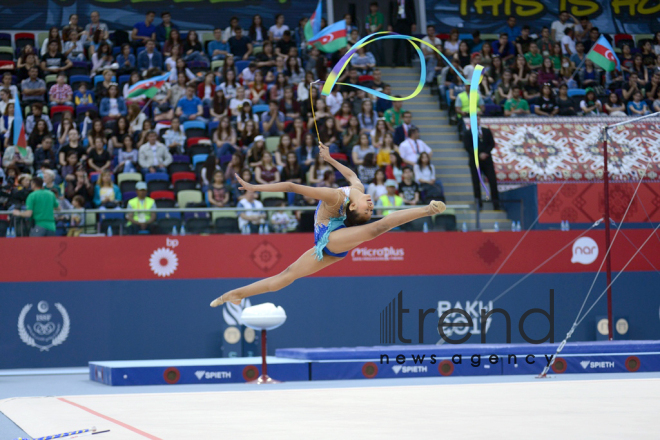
pixel 381 254
pixel 201 374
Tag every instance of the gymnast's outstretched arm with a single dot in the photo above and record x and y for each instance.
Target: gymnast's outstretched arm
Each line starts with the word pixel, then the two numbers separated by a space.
pixel 328 195
pixel 344 170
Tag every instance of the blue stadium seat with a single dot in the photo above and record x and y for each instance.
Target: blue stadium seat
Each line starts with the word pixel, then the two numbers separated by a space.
pixel 99 78
pixel 576 92
pixel 260 108
pixel 75 81
pixel 156 176
pixel 180 158
pixel 197 158
pixel 242 64
pixel 194 124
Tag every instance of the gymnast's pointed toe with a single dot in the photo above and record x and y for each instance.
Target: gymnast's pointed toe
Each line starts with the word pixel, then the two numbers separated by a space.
pixel 437 207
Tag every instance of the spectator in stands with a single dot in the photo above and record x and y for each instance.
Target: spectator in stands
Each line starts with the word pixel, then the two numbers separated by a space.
pixel 656 102
pixel 394 115
pixel 165 27
pixel 266 59
pixel 74 146
pixel 78 184
pixel 559 26
pixel 154 157
pixel 106 193
pixel 401 131
pixel 521 71
pixel 547 73
pixel 14 157
pixel 95 25
pixel 225 138
pixel 568 42
pixel 614 107
pixel 39 132
pixel 144 31
pixel 579 57
pixel 189 108
pixel 53 35
pixel 33 87
pixel 60 93
pixel 652 87
pixel 534 58
pixel 175 138
pixel 276 31
pixel 141 219
pixel 127 157
pixel 486 144
pixel 256 152
pixel 294 73
pixel 631 87
pixel 9 87
pixel 74 48
pixel 424 172
pixel 102 58
pixel 217 48
pixel 82 96
pixel 590 105
pixel 523 41
pixel 4 100
pixel 516 106
pixel 512 31
pixel 272 121
pixel 306 153
pixel 99 158
pixel 413 146
pixel 192 48
pixel 258 33
pixel 44 155
pixel 366 171
pixel 113 106
pixel 36 116
pixel 230 30
pixel 252 218
pixel 360 151
pixel 219 191
pixel 390 198
pixel 452 45
pixel 149 58
pixel 545 105
pixel 53 61
pixel 637 107
pixel 267 172
pixel 504 48
pixel 40 204
pixel 240 46
pixel 173 45
pixel 545 42
pixel 73 25
pixel 284 44
pixel 583 28
pixel 408 188
pixel 594 35
pixel 640 69
pixel 103 87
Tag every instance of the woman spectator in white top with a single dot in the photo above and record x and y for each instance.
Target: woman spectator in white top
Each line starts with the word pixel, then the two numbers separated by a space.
pixel 277 30
pixel 102 58
pixel 377 187
pixel 175 137
pixel 225 138
pixel 367 117
pixel 230 86
pixel 293 71
pixel 363 61
pixel 378 134
pixel 424 170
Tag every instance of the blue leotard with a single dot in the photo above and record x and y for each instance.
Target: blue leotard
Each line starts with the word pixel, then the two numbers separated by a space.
pixel 335 222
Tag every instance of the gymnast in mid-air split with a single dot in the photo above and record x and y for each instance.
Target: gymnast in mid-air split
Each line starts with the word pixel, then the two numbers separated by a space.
pixel 340 224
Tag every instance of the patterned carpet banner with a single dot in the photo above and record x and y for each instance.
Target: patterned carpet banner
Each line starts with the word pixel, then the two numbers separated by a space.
pixel 559 149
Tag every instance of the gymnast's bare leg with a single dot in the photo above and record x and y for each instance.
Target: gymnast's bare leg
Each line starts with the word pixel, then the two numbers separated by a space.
pixel 341 240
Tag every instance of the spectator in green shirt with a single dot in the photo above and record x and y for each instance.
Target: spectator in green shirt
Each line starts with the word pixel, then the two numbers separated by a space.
pixel 534 57
pixel 394 114
pixel 516 106
pixel 375 23
pixel 41 205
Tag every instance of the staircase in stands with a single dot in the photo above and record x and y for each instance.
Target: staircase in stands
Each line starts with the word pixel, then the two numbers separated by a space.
pixel 449 157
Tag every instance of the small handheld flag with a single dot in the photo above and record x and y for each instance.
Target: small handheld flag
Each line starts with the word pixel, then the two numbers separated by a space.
pixel 603 55
pixel 148 87
pixel 19 129
pixel 330 39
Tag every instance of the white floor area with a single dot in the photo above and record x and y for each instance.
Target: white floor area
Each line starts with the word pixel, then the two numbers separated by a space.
pixel 580 407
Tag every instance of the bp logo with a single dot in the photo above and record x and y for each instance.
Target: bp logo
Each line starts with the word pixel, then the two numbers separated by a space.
pixel 41 328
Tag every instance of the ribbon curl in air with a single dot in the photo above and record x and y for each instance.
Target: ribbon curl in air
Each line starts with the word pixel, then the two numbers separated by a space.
pixel 339 68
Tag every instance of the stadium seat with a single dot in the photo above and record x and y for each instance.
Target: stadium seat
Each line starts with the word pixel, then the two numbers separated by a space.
pixel 186 175
pixel 199 158
pixel 272 142
pixel 197 140
pixel 576 92
pixel 168 214
pixel 158 195
pixel 115 224
pixel 127 185
pixel 22 39
pixel 241 64
pixel 79 68
pixel 444 222
pixel 75 81
pixel 5 64
pixel 60 109
pixel 180 158
pixel 189 196
pixel 5 40
pixel 217 64
pixel 6 53
pixel 213 125
pixel 93 177
pixel 4 225
pixel 226 225
pixel 167 224
pixel 81 110
pixel 99 78
pixel 137 177
pixel 177 167
pixel 199 149
pixel 184 185
pixel 621 39
pixel 198 225
pixel 150 177
pixel 123 79
pixel 365 78
pixel 128 195
pixel 157 185
pixel 194 128
pixel 256 50
pixel 259 108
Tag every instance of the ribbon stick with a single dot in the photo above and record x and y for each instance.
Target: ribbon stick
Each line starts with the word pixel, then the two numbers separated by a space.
pixel 339 68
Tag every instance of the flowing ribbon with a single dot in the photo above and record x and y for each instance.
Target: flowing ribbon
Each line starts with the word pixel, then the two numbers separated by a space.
pixel 339 68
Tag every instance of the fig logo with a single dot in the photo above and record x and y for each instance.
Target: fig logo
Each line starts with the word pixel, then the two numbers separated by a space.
pixel 585 251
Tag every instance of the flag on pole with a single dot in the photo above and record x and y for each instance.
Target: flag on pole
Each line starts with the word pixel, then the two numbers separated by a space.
pixel 603 55
pixel 330 39
pixel 313 25
pixel 148 87
pixel 19 129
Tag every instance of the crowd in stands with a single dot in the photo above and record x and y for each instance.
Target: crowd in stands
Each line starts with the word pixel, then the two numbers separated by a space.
pixel 237 101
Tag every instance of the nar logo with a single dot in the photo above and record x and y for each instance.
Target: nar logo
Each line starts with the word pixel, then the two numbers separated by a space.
pixel 201 374
pixel 401 369
pixel 589 364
